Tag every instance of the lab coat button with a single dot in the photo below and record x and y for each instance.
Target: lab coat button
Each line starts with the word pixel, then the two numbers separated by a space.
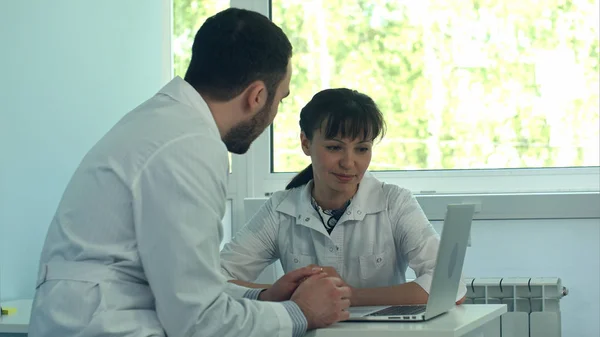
pixel 378 260
pixel 358 212
pixel 331 249
pixel 295 260
pixel 348 212
pixel 306 219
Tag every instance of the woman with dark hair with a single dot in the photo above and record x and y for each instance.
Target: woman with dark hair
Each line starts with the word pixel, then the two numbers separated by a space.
pixel 337 215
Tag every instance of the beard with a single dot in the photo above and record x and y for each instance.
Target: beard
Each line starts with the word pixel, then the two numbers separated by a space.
pixel 241 136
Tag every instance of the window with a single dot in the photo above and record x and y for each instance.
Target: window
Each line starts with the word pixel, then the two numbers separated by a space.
pixel 473 96
pixel 462 84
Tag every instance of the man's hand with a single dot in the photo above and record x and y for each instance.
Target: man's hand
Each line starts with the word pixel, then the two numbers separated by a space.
pixel 323 300
pixel 461 301
pixel 283 289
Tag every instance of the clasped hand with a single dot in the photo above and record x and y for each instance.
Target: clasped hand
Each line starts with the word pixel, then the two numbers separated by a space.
pixel 284 287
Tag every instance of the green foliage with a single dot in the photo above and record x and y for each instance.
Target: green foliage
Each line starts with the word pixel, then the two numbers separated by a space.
pixel 462 84
pixel 188 16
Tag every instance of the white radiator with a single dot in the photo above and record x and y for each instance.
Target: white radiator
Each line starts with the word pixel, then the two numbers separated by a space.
pixel 533 304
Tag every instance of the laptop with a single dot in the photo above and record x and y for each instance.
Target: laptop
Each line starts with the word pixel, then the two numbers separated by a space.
pixel 446 275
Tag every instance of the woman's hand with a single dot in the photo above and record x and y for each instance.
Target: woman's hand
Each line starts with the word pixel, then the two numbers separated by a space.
pixel 330 271
pixel 283 289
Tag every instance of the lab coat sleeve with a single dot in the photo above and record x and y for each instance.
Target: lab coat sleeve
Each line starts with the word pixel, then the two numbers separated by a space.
pixel 238 292
pixel 416 239
pixel 253 248
pixel 179 201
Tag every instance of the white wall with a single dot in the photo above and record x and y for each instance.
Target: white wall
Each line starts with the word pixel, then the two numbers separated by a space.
pixel 69 69
pixel 569 249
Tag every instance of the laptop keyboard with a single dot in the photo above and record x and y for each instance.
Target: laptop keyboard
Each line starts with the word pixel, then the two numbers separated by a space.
pixel 399 310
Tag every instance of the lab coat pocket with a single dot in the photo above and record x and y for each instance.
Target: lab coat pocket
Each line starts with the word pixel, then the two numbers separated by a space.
pixel 371 265
pixel 295 261
pixel 57 299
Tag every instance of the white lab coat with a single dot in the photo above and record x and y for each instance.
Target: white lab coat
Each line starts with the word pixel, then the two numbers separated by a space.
pixel 133 249
pixel 383 231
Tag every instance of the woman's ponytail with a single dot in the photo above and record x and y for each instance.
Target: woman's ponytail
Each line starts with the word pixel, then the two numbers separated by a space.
pixel 301 178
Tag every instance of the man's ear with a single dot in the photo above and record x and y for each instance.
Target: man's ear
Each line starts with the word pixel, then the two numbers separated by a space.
pixel 305 142
pixel 255 97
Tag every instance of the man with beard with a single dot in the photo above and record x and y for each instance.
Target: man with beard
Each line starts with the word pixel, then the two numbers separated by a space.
pixel 133 249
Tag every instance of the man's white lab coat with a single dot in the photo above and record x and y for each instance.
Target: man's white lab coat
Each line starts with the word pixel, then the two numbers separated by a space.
pixel 133 249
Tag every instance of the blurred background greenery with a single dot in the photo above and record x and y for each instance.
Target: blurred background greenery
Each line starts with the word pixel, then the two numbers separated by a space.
pixel 462 84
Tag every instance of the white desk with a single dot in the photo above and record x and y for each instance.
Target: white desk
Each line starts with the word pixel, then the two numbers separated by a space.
pixel 19 321
pixel 467 320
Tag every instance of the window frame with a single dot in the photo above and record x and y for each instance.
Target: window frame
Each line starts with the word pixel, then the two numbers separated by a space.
pixel 545 193
pixel 536 193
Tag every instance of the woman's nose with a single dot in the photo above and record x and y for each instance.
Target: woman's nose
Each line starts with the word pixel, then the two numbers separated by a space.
pixel 346 161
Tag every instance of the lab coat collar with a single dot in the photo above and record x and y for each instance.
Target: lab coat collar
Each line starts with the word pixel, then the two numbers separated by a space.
pixel 369 199
pixel 181 91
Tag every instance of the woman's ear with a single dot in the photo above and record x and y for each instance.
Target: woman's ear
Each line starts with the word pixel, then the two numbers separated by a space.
pixel 305 142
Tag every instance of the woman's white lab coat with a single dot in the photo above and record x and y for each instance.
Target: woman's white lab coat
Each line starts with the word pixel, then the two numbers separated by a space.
pixel 382 232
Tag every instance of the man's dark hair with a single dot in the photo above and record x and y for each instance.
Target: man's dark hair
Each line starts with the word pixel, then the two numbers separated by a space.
pixel 234 48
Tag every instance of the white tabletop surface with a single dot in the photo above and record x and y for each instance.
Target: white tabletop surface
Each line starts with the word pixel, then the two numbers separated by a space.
pixel 459 321
pixel 17 322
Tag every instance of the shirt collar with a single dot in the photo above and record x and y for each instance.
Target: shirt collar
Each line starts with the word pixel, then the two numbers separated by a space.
pixel 369 199
pixel 182 92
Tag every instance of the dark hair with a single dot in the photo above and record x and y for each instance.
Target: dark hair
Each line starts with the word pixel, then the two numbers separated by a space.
pixel 338 112
pixel 234 48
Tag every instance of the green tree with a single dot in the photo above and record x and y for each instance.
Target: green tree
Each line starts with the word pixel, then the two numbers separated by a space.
pixel 462 84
